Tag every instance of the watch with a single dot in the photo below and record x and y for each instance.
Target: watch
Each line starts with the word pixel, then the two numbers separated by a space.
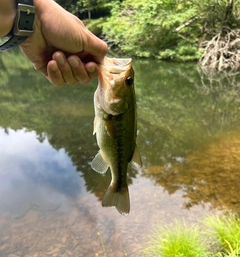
pixel 22 26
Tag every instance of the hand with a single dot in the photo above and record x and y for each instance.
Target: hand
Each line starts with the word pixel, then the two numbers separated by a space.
pixel 61 47
pixel 62 70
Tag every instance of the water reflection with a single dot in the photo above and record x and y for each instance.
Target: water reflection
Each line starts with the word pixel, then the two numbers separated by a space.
pixel 210 174
pixel 193 144
pixel 34 173
pixel 187 134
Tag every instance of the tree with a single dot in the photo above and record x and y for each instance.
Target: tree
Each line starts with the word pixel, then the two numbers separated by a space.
pixel 85 9
pixel 177 30
pixel 222 37
pixel 154 28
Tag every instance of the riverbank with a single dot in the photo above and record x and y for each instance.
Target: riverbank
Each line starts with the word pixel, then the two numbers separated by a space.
pixel 205 32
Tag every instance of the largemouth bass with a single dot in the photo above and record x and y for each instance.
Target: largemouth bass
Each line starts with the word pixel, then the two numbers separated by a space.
pixel 115 125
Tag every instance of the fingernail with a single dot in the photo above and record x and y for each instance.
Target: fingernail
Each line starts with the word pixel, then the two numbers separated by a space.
pixel 61 60
pixel 54 67
pixel 74 62
pixel 91 69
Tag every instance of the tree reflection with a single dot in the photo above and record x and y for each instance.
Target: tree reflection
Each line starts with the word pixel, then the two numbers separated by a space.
pixel 188 130
pixel 208 174
pixel 63 116
pixel 193 122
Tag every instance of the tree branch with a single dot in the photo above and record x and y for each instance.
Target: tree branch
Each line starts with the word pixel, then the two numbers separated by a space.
pixel 185 24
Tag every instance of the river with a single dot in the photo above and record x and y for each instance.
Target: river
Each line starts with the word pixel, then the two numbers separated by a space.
pixel 50 198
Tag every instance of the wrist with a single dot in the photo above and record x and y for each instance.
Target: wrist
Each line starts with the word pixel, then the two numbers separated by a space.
pixel 7 15
pixel 22 25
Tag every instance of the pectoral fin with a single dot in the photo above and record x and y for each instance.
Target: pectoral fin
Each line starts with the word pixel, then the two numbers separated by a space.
pixel 136 162
pixel 110 127
pixel 99 164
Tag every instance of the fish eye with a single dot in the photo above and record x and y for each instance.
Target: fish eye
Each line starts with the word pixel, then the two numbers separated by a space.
pixel 129 81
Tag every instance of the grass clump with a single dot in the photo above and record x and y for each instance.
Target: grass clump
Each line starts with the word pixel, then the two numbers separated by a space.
pixel 222 239
pixel 180 241
pixel 225 231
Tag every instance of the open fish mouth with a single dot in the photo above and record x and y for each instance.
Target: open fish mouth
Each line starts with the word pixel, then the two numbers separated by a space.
pixel 116 65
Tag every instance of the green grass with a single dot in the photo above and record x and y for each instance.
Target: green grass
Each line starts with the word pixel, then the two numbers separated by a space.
pixel 178 241
pixel 225 231
pixel 221 238
pixel 216 237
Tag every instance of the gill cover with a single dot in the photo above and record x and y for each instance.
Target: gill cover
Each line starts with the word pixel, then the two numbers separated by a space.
pixel 116 77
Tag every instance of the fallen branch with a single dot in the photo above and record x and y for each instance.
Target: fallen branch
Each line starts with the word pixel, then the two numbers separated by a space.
pixel 222 51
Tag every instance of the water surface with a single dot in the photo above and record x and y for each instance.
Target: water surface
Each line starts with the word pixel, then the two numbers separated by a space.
pixel 50 198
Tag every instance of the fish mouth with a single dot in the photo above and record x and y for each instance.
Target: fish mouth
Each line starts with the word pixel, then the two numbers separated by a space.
pixel 116 61
pixel 116 65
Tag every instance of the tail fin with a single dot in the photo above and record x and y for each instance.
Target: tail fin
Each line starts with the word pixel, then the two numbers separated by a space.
pixel 117 198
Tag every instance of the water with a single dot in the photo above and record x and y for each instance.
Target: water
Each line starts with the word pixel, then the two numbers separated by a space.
pixel 50 198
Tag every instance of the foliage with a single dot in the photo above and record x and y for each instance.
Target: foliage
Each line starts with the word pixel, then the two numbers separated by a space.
pixel 95 26
pixel 153 29
pixel 221 40
pixel 227 232
pixel 177 241
pixel 180 240
pixel 165 29
pixel 85 8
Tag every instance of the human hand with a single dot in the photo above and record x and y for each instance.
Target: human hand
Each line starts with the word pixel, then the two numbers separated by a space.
pixel 61 47
pixel 62 69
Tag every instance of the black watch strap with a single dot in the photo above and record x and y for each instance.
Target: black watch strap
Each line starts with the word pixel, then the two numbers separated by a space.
pixel 23 24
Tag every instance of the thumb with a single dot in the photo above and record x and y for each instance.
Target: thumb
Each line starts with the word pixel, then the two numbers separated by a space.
pixel 96 47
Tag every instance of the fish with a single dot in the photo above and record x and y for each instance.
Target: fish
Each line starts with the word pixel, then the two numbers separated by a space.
pixel 115 126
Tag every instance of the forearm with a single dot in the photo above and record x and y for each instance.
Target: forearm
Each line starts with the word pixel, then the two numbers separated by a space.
pixel 7 15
